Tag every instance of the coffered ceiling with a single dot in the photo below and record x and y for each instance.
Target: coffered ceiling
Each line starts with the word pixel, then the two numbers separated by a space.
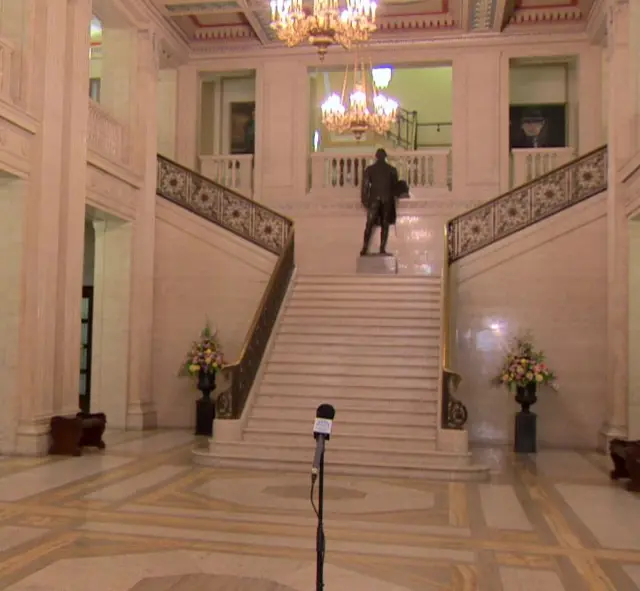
pixel 241 22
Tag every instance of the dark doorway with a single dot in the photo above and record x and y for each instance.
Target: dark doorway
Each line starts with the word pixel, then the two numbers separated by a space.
pixel 85 348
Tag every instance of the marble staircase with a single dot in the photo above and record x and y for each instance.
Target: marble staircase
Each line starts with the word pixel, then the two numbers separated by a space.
pixel 370 346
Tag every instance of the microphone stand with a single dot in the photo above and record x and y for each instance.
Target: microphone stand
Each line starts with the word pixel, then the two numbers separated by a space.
pixel 320 529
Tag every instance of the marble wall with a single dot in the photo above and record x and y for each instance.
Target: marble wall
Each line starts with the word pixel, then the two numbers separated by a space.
pixel 11 243
pixel 201 272
pixel 549 279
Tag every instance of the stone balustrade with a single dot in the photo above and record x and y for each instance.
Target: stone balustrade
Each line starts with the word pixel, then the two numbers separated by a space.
pixel 234 171
pixel 529 163
pixel 106 135
pixel 335 173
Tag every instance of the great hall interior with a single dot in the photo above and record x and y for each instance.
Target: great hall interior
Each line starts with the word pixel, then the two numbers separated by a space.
pixel 183 193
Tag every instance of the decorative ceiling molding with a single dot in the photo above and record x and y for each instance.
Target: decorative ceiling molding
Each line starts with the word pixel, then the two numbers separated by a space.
pixel 546 16
pixel 482 14
pixel 226 33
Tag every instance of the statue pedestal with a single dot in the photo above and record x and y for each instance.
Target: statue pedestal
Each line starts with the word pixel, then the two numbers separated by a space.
pixel 377 264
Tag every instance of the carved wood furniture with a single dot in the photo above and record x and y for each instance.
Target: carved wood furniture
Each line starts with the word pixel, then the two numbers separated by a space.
pixel 70 434
pixel 626 462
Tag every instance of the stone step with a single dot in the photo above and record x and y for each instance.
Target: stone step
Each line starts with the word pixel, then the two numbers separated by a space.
pixel 340 314
pixel 368 295
pixel 330 380
pixel 312 355
pixel 354 430
pixel 426 417
pixel 337 393
pixel 390 287
pixel 353 308
pixel 432 465
pixel 355 438
pixel 410 355
pixel 394 343
pixel 344 404
pixel 314 370
pixel 359 279
pixel 372 332
pixel 358 321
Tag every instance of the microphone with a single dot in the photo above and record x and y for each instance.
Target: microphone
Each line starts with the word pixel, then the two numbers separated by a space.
pixel 321 433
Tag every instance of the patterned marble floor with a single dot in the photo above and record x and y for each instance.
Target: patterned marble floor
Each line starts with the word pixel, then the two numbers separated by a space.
pixel 140 517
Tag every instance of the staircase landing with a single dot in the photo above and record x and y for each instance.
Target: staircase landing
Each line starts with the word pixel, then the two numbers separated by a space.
pixel 370 346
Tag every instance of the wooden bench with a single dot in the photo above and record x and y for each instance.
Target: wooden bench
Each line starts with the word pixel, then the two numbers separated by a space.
pixel 626 462
pixel 70 434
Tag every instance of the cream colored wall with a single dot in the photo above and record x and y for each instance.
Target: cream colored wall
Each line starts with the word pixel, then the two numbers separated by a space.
pixel 538 84
pixel 201 271
pixel 95 67
pixel 550 279
pixel 11 244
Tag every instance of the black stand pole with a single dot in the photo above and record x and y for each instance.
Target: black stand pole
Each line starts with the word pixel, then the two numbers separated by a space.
pixel 320 529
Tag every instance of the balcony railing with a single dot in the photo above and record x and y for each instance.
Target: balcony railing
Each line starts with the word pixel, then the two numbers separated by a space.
pixel 530 163
pixel 422 169
pixel 234 171
pixel 106 135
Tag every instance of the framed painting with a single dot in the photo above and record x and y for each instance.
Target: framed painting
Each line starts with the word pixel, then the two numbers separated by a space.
pixel 538 126
pixel 242 128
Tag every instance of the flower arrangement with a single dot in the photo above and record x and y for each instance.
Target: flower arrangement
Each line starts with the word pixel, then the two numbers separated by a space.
pixel 205 355
pixel 524 366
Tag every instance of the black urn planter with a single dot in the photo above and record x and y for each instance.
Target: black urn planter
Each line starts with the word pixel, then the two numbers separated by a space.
pixel 525 420
pixel 205 407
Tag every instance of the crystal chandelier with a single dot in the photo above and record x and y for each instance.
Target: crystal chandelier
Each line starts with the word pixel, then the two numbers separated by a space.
pixel 365 111
pixel 326 25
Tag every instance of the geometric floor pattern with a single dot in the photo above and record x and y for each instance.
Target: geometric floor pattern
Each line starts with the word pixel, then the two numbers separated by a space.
pixel 141 517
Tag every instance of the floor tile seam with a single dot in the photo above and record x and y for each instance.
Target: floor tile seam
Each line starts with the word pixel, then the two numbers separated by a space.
pixel 330 523
pixel 337 546
pixel 109 476
pixel 258 550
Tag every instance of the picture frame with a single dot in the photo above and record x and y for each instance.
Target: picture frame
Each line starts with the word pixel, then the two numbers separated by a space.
pixel 538 126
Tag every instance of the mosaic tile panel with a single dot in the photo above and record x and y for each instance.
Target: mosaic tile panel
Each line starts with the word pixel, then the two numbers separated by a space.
pixel 527 205
pixel 223 207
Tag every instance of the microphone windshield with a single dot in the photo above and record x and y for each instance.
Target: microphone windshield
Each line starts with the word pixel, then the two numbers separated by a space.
pixel 326 411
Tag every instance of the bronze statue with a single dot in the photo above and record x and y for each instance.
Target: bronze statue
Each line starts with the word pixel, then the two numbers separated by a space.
pixel 378 195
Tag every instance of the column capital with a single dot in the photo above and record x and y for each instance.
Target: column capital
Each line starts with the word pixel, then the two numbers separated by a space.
pixel 150 47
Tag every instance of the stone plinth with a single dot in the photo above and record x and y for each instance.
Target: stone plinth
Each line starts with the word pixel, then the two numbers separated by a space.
pixel 377 264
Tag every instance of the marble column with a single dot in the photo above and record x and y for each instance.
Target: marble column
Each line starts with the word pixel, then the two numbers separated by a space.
pixel 282 129
pixel 480 142
pixel 187 116
pixel 72 209
pixel 141 411
pixel 619 147
pixel 42 233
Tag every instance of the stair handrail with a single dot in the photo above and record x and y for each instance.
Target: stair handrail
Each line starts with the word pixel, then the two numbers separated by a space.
pixel 579 179
pixel 262 226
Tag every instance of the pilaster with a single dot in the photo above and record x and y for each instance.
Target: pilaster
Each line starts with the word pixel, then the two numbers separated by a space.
pixel 589 98
pixel 140 410
pixel 619 150
pixel 42 233
pixel 187 117
pixel 72 209
pixel 480 118
pixel 282 124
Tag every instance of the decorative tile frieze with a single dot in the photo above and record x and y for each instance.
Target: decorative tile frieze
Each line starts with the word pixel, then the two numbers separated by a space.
pixel 526 205
pixel 232 211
